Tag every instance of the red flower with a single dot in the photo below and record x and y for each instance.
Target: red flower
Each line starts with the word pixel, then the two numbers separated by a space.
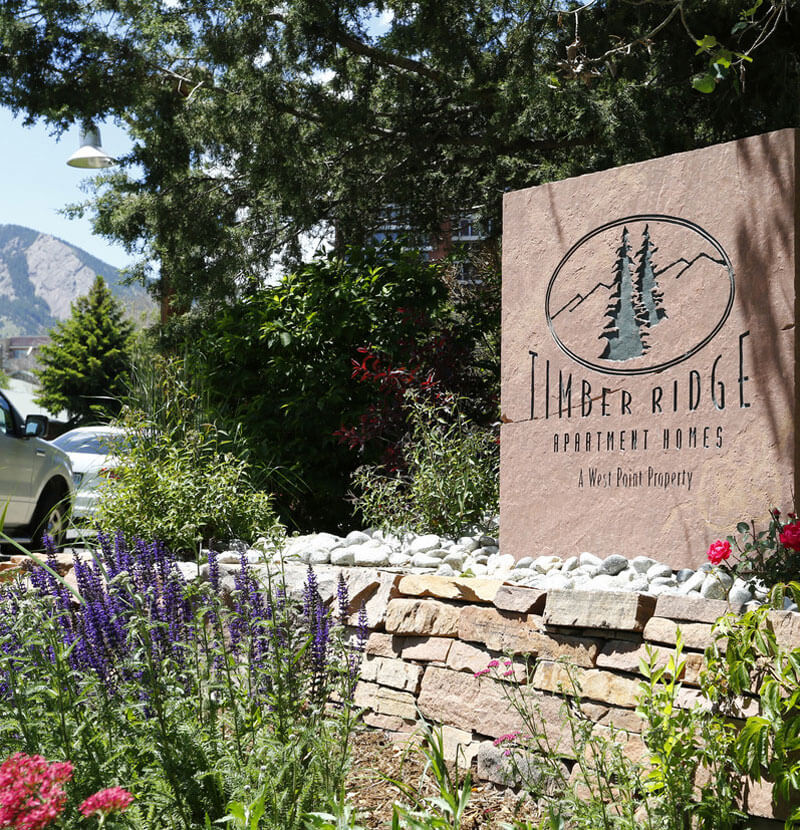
pixel 106 801
pixel 790 536
pixel 718 551
pixel 31 796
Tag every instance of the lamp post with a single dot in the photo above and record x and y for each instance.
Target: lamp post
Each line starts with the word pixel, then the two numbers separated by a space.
pixel 90 155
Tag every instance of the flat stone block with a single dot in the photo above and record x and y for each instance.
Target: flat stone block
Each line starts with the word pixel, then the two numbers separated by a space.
pixel 592 684
pixel 627 656
pixel 458 745
pixel 760 800
pixel 463 589
pixel 375 599
pixel 692 609
pixel 389 723
pixel 786 625
pixel 388 671
pixel 466 657
pixel 381 645
pixel 519 599
pixel 662 630
pixel 479 705
pixel 422 617
pixel 498 630
pixel 385 701
pixel 603 714
pixel 615 610
pixel 425 649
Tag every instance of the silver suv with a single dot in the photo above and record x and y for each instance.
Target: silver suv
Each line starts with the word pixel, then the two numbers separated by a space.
pixel 36 489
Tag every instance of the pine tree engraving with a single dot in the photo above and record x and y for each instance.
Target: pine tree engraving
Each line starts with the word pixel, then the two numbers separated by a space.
pixel 652 298
pixel 627 318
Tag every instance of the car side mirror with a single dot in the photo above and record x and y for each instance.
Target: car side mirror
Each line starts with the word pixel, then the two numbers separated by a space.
pixel 35 426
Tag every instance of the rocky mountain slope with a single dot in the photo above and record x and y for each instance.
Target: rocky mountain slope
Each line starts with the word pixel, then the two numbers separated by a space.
pixel 41 275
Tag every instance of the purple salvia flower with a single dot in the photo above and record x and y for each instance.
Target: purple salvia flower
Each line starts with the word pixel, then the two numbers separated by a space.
pixel 342 598
pixel 106 546
pixel 319 650
pixel 311 597
pixel 362 633
pixel 213 570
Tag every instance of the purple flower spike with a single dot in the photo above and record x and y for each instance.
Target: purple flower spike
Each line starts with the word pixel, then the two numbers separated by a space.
pixel 213 570
pixel 342 598
pixel 362 634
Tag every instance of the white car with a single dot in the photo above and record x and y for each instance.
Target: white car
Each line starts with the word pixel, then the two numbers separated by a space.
pixel 93 452
pixel 36 489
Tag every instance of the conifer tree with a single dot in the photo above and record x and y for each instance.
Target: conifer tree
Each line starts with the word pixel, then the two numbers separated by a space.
pixel 625 330
pixel 652 298
pixel 86 365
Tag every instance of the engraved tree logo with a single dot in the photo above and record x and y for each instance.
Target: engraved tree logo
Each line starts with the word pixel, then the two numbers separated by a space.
pixel 652 298
pixel 626 315
pixel 636 301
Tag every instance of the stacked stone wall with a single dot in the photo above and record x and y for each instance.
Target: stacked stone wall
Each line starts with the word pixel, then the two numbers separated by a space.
pixel 431 635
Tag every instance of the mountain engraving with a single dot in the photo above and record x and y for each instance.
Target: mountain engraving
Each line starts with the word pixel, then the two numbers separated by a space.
pixel 656 273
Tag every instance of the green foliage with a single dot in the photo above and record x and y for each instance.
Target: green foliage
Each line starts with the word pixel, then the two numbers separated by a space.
pixel 692 777
pixel 278 366
pixel 450 482
pixel 442 812
pixel 747 655
pixel 85 367
pixel 4 380
pixel 692 771
pixel 253 125
pixel 179 479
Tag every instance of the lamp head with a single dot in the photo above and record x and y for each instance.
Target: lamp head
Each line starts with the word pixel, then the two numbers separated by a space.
pixel 90 155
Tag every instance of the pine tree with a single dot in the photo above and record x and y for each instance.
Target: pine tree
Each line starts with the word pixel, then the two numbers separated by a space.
pixel 652 298
pixel 625 330
pixel 87 363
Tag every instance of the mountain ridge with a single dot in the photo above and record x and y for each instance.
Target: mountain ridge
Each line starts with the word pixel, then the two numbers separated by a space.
pixel 41 276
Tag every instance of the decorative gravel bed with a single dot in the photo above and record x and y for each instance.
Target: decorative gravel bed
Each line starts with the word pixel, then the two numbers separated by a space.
pixel 479 554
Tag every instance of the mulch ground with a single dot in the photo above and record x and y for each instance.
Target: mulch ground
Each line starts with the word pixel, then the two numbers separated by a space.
pixel 377 758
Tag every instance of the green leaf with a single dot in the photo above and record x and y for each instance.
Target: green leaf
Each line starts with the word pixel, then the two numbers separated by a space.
pixel 753 9
pixel 742 527
pixel 704 83
pixel 706 44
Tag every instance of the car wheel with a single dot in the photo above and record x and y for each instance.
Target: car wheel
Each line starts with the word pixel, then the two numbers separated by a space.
pixel 50 518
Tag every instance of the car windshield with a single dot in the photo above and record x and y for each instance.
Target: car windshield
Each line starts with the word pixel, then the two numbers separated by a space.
pixel 92 444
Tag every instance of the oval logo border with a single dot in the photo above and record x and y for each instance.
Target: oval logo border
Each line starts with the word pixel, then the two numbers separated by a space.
pixel 645 370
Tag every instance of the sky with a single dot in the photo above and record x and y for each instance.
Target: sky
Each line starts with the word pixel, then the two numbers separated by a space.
pixel 36 183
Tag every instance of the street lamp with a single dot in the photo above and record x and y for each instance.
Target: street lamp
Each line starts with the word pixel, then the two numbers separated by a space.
pixel 90 155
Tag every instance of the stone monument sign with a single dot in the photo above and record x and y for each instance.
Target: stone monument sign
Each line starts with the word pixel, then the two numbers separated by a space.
pixel 649 353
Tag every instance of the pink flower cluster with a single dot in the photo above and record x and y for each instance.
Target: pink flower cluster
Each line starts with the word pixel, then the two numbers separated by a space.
pixel 31 795
pixel 511 736
pixel 494 664
pixel 106 801
pixel 718 551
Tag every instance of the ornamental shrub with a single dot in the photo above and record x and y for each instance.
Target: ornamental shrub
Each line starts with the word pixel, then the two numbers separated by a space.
pixel 448 479
pixel 279 366
pixel 180 479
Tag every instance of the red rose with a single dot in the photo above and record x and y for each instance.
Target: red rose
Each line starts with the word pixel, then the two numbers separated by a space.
pixel 718 551
pixel 790 536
